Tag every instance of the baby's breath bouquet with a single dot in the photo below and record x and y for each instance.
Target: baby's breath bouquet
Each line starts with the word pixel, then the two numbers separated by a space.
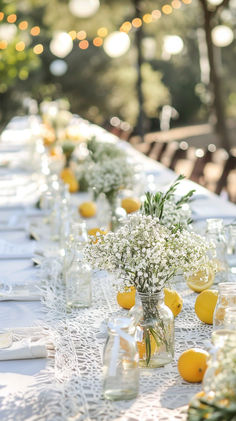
pixel 108 177
pixel 100 150
pixel 145 254
pixel 219 402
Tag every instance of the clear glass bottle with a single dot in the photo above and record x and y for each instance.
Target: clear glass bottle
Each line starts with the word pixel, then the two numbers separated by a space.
pixel 155 330
pixel 215 233
pixel 230 318
pixel 219 380
pixel 218 340
pixel 78 273
pixel 226 298
pixel 120 362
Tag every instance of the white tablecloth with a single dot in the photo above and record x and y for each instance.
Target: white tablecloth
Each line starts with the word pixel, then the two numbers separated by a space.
pixel 69 387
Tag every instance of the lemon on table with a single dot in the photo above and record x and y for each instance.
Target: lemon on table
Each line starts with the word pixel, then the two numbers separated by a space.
pixel 192 364
pixel 68 176
pixel 201 280
pixel 88 209
pixel 93 232
pixel 205 305
pixel 131 204
pixel 173 300
pixel 142 347
pixel 126 299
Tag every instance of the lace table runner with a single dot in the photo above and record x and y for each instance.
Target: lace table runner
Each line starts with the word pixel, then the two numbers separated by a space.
pixel 71 387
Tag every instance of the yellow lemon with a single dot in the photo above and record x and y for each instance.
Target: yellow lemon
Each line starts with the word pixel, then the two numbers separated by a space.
pixel 173 300
pixel 205 305
pixel 93 233
pixel 201 280
pixel 142 347
pixel 88 209
pixel 69 178
pixel 131 204
pixel 126 299
pixel 192 364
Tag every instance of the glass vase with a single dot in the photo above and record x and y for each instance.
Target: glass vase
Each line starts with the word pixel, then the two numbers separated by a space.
pixel 155 331
pixel 226 298
pixel 215 233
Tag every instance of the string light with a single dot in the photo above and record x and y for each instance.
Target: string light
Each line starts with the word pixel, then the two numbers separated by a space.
pixel 3 45
pixel 126 26
pixel 156 14
pixel 102 32
pixel 84 44
pixel 35 31
pixel 11 18
pixel 176 4
pixel 137 22
pixel 23 25
pixel 98 41
pixel 81 35
pixel 38 49
pixel 167 9
pixel 20 46
pixel 147 18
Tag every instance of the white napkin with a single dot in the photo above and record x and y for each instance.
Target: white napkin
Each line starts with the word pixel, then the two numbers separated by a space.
pixel 22 343
pixel 10 250
pixel 19 292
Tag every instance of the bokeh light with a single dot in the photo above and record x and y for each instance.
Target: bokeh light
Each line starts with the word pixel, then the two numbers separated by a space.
pixel 173 44
pixel 147 18
pixel 38 49
pixel 116 44
pixel 23 25
pixel 156 14
pixel 3 45
pixel 176 4
pixel 214 2
pixel 187 1
pixel 11 18
pixel 126 26
pixel 35 31
pixel 81 35
pixel 58 67
pixel 61 44
pixel 84 44
pixel 7 31
pixel 20 46
pixel 137 22
pixel 98 41
pixel 1 16
pixel 222 35
pixel 72 34
pixel 102 32
pixel 167 9
pixel 84 8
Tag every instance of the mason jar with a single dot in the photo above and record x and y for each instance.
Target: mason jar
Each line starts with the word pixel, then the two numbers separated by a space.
pixel 215 233
pixel 226 298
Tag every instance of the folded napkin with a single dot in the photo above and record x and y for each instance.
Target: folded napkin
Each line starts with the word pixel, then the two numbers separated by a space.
pixel 23 343
pixel 19 293
pixel 10 250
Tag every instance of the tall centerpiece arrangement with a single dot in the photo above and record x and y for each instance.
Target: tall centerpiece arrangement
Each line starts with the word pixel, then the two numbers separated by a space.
pixel 145 254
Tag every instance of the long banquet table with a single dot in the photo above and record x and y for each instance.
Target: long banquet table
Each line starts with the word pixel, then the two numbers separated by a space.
pixel 67 385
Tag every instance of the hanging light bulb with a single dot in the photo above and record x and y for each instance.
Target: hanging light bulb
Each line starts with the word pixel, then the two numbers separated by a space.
pixel 173 44
pixel 222 35
pixel 84 8
pixel 61 44
pixel 116 44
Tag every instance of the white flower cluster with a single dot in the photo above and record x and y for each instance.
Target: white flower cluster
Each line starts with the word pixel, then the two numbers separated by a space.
pixel 109 176
pixel 174 214
pixel 146 254
pixel 100 151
